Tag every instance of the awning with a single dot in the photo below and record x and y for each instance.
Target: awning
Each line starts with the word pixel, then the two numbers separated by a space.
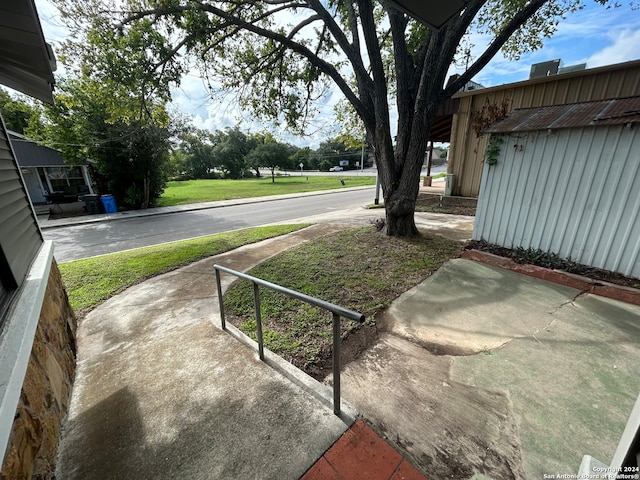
pixel 573 115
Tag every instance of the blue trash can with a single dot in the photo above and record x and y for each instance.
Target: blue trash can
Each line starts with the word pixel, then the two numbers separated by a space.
pixel 109 203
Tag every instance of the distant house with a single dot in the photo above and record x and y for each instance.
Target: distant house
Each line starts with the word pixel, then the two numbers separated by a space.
pixel 45 172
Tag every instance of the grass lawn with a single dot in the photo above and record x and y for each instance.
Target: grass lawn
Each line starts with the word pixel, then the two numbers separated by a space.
pixel 358 268
pixel 193 191
pixel 91 281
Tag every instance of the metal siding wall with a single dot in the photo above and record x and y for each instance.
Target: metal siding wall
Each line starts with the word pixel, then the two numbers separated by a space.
pixel 467 151
pixel 574 192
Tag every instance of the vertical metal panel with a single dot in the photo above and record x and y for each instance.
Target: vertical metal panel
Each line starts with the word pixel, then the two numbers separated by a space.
pixel 573 192
pixel 20 237
pixel 467 151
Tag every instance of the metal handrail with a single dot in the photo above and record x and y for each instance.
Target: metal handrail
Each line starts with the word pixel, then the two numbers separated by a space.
pixel 336 310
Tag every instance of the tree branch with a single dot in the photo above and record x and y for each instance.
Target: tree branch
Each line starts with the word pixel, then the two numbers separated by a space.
pixel 351 51
pixel 498 42
pixel 379 93
pixel 249 25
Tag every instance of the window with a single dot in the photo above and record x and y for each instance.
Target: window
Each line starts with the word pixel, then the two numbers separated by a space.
pixel 63 177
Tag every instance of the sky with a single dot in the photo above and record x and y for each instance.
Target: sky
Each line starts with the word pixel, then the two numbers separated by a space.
pixel 595 35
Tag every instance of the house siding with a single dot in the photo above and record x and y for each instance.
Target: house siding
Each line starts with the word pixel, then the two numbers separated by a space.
pixel 573 192
pixel 466 156
pixel 20 237
pixel 37 336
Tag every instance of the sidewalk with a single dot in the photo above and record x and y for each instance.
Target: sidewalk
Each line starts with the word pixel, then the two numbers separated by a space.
pixel 162 392
pixel 486 373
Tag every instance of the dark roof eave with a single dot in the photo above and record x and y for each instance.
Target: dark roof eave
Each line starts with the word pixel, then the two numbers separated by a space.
pixel 27 62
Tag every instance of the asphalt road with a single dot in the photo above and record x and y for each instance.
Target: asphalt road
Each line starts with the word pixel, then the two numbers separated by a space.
pixel 367 172
pixel 82 241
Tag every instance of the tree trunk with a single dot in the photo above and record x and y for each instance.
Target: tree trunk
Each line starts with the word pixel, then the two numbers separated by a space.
pixel 146 191
pixel 399 214
pixel 399 170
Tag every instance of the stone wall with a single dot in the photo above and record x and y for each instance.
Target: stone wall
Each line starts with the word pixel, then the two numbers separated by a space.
pixel 46 390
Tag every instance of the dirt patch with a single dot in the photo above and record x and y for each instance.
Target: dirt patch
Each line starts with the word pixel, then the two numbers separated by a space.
pixel 358 342
pixel 450 209
pixel 435 204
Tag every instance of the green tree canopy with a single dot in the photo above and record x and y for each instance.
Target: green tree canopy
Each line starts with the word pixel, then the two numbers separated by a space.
pixel 232 147
pixel 280 56
pixel 331 152
pixel 196 150
pixel 18 114
pixel 270 154
pixel 128 154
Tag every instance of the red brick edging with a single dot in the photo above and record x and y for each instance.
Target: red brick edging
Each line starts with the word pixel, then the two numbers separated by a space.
pixel 584 284
pixel 361 453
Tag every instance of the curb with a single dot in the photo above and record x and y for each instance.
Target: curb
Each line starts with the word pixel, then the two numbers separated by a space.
pixel 584 284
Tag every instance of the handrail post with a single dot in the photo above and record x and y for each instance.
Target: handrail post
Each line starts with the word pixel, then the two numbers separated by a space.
pixel 336 310
pixel 336 364
pixel 256 302
pixel 220 302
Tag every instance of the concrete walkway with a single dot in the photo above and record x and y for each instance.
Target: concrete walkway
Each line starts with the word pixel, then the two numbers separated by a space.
pixel 477 372
pixel 484 372
pixel 162 392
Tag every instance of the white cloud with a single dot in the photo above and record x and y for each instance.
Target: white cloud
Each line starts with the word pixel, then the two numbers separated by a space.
pixel 595 35
pixel 625 47
pixel 52 26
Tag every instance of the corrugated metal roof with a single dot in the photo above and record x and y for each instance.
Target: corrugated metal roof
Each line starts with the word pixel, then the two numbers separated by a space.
pixel 603 112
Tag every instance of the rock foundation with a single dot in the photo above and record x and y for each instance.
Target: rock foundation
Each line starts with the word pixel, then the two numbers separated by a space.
pixel 46 390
